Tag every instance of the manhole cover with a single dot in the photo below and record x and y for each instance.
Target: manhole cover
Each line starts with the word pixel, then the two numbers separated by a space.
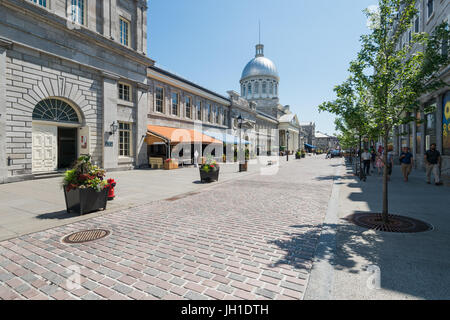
pixel 86 236
pixel 396 223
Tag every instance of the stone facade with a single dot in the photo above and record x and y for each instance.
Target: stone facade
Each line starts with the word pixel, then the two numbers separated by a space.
pixel 309 131
pixel 170 83
pixel 419 137
pixel 45 55
pixel 325 142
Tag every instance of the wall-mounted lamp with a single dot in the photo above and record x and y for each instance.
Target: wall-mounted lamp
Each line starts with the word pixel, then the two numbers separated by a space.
pixel 114 127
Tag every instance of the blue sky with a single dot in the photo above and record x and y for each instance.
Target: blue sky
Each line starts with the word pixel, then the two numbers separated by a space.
pixel 209 42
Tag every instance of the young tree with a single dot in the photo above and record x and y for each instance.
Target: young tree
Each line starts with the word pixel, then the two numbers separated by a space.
pixel 390 75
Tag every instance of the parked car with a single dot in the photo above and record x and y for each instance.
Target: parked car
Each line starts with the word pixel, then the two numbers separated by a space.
pixel 336 154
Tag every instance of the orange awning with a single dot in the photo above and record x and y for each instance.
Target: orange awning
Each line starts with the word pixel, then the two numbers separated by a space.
pixel 177 135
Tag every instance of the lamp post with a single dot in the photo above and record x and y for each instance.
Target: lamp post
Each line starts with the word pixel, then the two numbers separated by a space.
pixel 287 145
pixel 239 119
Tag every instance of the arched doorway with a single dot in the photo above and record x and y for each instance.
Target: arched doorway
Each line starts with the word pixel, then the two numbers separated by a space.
pixel 55 135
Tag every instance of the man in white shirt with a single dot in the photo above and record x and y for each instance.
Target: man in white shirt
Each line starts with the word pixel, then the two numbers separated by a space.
pixel 365 156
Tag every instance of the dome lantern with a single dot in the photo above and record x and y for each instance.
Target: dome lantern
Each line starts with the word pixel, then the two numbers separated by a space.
pixel 259 50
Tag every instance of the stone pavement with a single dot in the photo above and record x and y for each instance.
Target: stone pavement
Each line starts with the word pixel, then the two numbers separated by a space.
pixel 235 240
pixel 36 205
pixel 408 266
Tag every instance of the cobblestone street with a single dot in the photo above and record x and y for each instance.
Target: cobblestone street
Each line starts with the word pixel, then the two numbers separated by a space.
pixel 235 240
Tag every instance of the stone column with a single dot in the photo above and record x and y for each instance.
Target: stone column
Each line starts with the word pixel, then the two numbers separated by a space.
pixel 138 26
pixel 439 109
pixel 110 19
pixel 422 138
pixel 141 124
pixel 107 18
pixel 141 26
pixel 3 158
pixel 144 28
pixel 110 141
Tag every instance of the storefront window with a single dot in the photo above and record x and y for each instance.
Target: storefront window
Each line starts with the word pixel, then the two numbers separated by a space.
pixel 446 124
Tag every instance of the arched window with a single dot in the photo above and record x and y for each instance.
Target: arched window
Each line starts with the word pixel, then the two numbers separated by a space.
pixel 256 87
pixel 271 88
pixel 55 110
pixel 249 88
pixel 243 90
pixel 264 87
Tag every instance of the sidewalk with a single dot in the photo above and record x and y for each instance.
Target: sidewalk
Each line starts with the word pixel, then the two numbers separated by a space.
pixel 36 205
pixel 411 266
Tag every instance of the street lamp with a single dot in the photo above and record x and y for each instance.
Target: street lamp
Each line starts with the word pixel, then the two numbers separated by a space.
pixel 114 127
pixel 239 120
pixel 287 145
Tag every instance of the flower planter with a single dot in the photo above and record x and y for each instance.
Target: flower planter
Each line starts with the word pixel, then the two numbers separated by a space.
pixel 212 175
pixel 243 167
pixel 170 165
pixel 298 156
pixel 84 201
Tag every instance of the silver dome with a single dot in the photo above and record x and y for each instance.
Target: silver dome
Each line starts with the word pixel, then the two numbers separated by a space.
pixel 260 66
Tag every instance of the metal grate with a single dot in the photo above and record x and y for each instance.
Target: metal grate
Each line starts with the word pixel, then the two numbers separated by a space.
pixel 397 224
pixel 86 236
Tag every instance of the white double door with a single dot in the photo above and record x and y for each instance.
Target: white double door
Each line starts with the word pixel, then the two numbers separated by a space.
pixel 45 148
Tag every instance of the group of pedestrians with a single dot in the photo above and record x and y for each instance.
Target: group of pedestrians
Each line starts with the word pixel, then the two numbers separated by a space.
pixel 374 159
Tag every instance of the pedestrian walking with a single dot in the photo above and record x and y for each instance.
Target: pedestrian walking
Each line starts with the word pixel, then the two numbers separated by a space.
pixel 365 156
pixel 379 163
pixel 373 159
pixel 433 164
pixel 407 161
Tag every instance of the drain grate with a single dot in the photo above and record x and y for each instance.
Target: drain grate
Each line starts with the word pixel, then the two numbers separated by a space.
pixel 397 224
pixel 86 236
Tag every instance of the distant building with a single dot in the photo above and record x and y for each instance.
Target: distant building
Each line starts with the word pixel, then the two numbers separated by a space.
pixel 309 131
pixel 325 142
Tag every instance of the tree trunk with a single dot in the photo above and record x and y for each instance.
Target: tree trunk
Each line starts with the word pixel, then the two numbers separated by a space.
pixel 385 180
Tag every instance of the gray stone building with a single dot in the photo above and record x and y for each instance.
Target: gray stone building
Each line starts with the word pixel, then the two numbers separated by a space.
pixel 309 131
pixel 175 102
pixel 435 126
pixel 76 83
pixel 325 142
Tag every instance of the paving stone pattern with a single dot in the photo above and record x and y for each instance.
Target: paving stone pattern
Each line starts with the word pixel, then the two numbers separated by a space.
pixel 236 240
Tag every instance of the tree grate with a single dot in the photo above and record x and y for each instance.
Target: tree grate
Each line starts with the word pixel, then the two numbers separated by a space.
pixel 86 236
pixel 396 224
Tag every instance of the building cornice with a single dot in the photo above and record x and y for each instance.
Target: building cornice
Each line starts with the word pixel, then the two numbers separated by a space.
pixel 5 43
